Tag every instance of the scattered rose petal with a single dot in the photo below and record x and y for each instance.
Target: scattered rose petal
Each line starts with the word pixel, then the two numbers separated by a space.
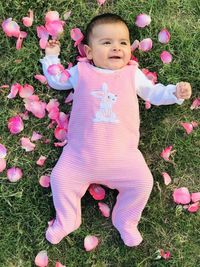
pixel 147 104
pixel 41 259
pixel 104 208
pixel 181 195
pixel 27 144
pixel 165 154
pixel 36 136
pixel 142 20
pixel 167 178
pixel 51 15
pixel 81 50
pixel 2 164
pixel 90 242
pixel 41 78
pixel 165 255
pixel 145 45
pixel 195 104
pixel 166 57
pixel 101 2
pixel 152 76
pixel 60 144
pixel 195 197
pixel 58 264
pixel 43 34
pixel 44 181
pixel 14 174
pixel 41 160
pixel 69 98
pixel 35 106
pixel 193 207
pixel 55 28
pixel 24 115
pixel 28 21
pixel 135 45
pixel 20 39
pixel 96 191
pixel 15 125
pixel 26 91
pixel 3 151
pixel 15 88
pixel 76 35
pixel 187 126
pixel 4 86
pixel 60 133
pixel 11 28
pixel 62 120
pixel 164 36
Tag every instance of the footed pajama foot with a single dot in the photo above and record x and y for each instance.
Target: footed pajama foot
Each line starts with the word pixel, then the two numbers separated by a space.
pixel 54 234
pixel 131 237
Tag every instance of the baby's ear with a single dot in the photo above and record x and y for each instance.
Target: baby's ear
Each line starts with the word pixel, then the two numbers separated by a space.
pixel 88 51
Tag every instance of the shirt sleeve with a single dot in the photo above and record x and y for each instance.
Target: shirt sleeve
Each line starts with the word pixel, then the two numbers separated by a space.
pixel 54 80
pixel 156 94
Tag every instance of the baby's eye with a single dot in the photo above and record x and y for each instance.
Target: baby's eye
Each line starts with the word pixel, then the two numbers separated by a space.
pixel 124 43
pixel 106 42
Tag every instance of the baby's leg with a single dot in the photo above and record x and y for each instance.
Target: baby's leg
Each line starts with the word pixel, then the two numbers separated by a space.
pixel 68 185
pixel 134 191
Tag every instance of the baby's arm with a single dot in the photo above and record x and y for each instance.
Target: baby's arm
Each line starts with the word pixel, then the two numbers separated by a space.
pixel 52 52
pixel 159 94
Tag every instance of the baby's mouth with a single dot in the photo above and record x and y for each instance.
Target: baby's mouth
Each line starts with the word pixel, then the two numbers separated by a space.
pixel 115 57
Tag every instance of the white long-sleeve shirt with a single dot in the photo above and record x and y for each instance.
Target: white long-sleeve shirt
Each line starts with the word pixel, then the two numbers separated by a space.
pixel 156 94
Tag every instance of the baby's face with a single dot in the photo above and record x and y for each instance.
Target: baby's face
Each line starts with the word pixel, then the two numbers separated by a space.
pixel 109 46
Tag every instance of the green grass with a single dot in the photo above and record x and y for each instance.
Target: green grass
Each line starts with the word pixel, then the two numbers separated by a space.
pixel 25 207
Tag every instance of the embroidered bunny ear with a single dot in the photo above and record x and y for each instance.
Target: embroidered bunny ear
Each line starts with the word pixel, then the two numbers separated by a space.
pixel 105 87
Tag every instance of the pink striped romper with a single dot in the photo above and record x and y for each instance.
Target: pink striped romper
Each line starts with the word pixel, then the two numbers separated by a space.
pixel 102 148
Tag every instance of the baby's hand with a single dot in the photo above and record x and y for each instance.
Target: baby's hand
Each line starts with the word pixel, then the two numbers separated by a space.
pixel 183 90
pixel 52 48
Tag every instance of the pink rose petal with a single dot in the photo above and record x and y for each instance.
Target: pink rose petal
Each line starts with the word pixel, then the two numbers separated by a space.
pixel 145 45
pixel 58 264
pixel 90 242
pixel 142 20
pixel 2 165
pixel 34 105
pixel 193 207
pixel 181 195
pixel 195 197
pixel 166 57
pixel 14 90
pixel 26 91
pixel 101 2
pixel 55 28
pixel 43 34
pixel 28 21
pixel 165 154
pixel 135 45
pixel 152 76
pixel 15 125
pixel 51 16
pixel 60 144
pixel 11 28
pixel 36 136
pixel 41 160
pixel 164 36
pixel 165 255
pixel 20 39
pixel 104 208
pixel 44 181
pixel 147 104
pixel 3 151
pixel 187 126
pixel 27 144
pixel 96 191
pixel 14 174
pixel 41 259
pixel 76 35
pixel 60 133
pixel 41 78
pixel 167 178
pixel 195 104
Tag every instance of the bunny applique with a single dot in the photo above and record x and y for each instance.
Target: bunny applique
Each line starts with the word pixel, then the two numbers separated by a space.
pixel 107 99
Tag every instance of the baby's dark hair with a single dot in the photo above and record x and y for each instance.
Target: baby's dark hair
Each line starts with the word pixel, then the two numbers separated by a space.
pixel 101 19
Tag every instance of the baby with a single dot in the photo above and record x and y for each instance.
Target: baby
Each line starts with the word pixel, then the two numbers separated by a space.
pixel 103 131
